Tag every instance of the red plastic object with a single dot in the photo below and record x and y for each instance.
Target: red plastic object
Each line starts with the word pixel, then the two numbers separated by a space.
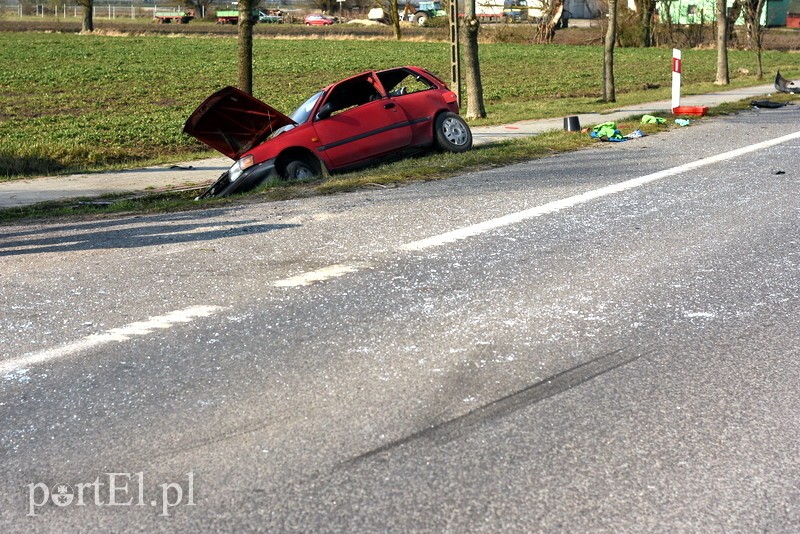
pixel 697 111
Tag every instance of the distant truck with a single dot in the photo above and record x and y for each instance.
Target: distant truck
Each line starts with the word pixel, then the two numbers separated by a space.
pixel 178 17
pixel 231 16
pixel 419 13
pixel 504 10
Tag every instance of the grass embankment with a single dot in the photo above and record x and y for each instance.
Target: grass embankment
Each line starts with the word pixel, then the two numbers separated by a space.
pixel 74 103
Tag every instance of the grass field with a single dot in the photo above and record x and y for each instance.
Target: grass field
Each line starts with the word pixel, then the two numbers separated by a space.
pixel 79 102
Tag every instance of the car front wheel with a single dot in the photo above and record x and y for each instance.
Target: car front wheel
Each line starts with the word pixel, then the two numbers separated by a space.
pixel 301 169
pixel 452 133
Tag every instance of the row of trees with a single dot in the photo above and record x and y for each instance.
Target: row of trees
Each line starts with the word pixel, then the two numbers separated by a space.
pixel 750 9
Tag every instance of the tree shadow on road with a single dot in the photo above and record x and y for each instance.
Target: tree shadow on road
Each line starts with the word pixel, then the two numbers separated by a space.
pixel 138 232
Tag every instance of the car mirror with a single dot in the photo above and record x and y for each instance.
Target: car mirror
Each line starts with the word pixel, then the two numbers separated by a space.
pixel 325 111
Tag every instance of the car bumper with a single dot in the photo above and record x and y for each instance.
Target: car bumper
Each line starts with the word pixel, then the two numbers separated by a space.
pixel 249 179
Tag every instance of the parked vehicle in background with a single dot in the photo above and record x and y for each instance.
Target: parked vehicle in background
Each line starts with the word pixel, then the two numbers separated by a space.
pixel 424 11
pixel 178 17
pixel 315 19
pixel 272 16
pixel 503 10
pixel 362 120
pixel 231 16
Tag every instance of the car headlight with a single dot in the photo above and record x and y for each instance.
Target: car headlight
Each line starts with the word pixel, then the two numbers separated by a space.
pixel 240 166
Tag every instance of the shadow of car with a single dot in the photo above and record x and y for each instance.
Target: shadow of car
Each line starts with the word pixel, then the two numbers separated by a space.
pixel 373 117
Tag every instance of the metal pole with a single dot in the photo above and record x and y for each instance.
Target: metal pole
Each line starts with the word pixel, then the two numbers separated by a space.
pixel 455 55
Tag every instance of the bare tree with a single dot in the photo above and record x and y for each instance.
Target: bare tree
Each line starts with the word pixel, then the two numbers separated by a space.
pixel 245 40
pixel 200 7
pixel 394 18
pixel 552 11
pixel 755 31
pixel 88 23
pixel 609 90
pixel 646 9
pixel 475 106
pixel 722 44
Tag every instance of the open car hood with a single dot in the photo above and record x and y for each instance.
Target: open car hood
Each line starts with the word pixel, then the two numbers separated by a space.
pixel 233 122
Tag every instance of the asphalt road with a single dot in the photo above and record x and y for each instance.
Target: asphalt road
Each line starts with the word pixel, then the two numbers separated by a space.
pixel 600 341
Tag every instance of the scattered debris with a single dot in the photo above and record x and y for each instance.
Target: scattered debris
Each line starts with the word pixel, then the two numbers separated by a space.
pixel 683 122
pixel 182 167
pixel 651 119
pixel 769 104
pixel 785 86
pixel 608 132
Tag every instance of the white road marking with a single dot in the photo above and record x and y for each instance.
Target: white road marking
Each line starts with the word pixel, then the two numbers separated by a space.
pixel 334 271
pixel 115 334
pixel 320 275
pixel 558 205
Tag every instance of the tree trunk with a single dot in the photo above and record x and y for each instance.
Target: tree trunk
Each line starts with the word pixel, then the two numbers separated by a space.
pixel 609 91
pixel 88 20
pixel 475 106
pixel 755 32
pixel 722 44
pixel 394 17
pixel 647 8
pixel 245 66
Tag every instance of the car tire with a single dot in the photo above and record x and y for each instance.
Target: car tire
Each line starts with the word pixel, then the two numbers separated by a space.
pixel 451 133
pixel 301 169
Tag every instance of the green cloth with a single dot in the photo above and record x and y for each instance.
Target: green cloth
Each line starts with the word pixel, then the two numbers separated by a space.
pixel 607 130
pixel 649 119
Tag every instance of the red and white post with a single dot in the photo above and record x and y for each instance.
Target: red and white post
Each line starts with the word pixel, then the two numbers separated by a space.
pixel 676 78
pixel 677 109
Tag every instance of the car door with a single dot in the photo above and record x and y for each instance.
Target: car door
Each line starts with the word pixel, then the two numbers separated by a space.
pixel 363 123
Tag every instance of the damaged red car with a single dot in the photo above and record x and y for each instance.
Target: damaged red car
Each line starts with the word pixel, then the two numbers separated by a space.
pixel 373 117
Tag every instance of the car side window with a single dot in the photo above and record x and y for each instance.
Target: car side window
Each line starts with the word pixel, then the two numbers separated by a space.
pixel 401 82
pixel 352 93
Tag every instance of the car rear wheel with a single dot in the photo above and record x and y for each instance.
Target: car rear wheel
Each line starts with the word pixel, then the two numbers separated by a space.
pixel 452 133
pixel 301 169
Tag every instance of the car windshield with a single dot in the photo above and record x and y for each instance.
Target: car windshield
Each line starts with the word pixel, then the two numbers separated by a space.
pixel 303 113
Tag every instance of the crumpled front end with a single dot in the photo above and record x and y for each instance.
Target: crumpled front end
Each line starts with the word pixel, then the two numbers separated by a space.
pixel 243 176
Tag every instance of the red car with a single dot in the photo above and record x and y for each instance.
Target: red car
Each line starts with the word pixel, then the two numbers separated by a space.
pixel 318 20
pixel 363 120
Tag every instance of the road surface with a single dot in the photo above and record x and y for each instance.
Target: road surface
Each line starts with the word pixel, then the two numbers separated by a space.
pixel 602 341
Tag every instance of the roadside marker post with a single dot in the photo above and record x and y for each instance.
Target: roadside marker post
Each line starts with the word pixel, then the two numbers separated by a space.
pixel 677 109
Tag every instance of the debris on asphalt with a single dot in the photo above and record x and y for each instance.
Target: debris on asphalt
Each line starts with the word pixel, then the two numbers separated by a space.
pixel 608 132
pixel 683 122
pixel 785 86
pixel 768 104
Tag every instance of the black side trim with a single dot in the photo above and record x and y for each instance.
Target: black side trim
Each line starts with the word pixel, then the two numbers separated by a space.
pixel 371 133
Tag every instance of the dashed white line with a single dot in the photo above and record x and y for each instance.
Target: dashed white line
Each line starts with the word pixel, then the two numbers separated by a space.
pixel 334 271
pixel 320 275
pixel 124 333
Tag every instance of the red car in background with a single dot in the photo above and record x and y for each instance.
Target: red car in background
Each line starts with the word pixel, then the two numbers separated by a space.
pixel 365 119
pixel 315 19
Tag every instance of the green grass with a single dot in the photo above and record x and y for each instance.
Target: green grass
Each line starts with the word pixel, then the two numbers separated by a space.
pixel 72 103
